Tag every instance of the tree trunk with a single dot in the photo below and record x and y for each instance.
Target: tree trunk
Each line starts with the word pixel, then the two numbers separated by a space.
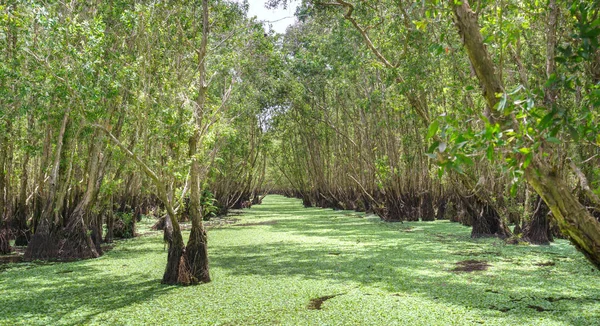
pixel 196 254
pixel 468 28
pixel 110 224
pixel 4 162
pixel 572 217
pixel 537 229
pixel 22 232
pixel 441 211
pixel 78 238
pixel 175 271
pixel 44 243
pixel 486 220
pixel 427 212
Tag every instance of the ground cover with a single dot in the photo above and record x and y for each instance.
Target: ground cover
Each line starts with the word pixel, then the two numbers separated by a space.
pixel 279 263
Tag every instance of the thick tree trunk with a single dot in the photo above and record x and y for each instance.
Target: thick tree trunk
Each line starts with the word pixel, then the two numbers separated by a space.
pixel 441 210
pixel 5 247
pixel 537 229
pixel 572 217
pixel 196 254
pixel 550 93
pixel 427 212
pixel 79 240
pixel 486 221
pixel 175 271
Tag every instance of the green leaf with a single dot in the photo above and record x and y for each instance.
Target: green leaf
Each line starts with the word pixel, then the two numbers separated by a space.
pixel 546 120
pixel 573 132
pixel 490 153
pixel 433 147
pixel 553 140
pixel 525 150
pixel 513 189
pixel 440 171
pixel 527 160
pixel 464 159
pixel 433 128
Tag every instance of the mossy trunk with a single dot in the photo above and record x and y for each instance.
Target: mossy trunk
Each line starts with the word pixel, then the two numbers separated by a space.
pixel 22 232
pixel 441 210
pixel 571 216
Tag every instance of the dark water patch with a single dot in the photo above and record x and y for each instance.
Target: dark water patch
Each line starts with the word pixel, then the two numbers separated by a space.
pixel 257 223
pixel 468 266
pixel 316 303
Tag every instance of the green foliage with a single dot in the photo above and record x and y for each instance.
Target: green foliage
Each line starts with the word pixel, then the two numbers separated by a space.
pixel 207 204
pixel 124 225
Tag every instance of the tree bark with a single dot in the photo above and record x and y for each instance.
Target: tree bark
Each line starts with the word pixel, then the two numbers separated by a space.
pixel 468 29
pixel 196 255
pixel 537 229
pixel 572 217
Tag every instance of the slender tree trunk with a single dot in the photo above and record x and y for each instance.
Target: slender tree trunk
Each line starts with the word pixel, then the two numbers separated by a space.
pixel 176 271
pixel 42 245
pixel 5 247
pixel 196 250
pixel 23 233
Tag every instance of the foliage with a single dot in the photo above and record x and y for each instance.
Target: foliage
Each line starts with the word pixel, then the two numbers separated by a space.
pixel 207 203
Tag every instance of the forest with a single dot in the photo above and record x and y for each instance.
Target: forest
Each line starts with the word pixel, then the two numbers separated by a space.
pixel 381 162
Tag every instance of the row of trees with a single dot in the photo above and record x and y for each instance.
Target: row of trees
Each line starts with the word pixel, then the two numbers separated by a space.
pixel 413 109
pixel 409 109
pixel 126 106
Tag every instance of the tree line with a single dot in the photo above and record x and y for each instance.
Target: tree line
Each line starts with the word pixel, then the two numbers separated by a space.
pixel 481 112
pixel 484 112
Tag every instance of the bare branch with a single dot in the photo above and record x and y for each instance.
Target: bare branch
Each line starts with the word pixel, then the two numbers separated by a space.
pixel 363 32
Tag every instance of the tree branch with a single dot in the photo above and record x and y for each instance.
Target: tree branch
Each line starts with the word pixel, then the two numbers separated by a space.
pixel 363 32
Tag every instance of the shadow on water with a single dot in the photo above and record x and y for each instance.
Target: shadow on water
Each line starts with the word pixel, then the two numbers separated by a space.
pixel 51 287
pixel 415 258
